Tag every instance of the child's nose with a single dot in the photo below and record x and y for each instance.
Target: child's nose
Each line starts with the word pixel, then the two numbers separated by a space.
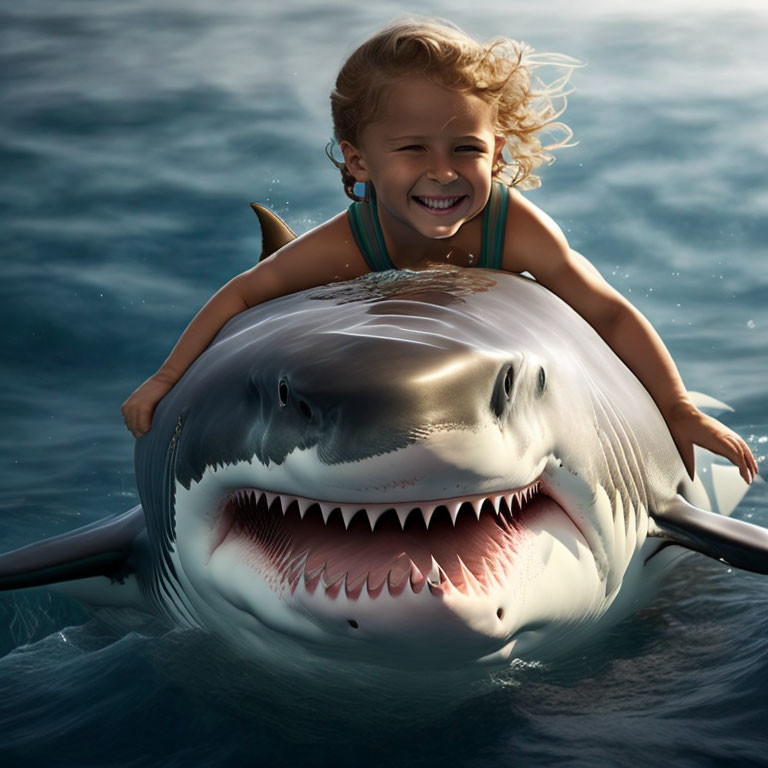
pixel 442 173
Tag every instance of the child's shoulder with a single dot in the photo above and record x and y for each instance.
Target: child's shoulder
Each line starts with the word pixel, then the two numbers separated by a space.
pixel 536 245
pixel 325 254
pixel 532 239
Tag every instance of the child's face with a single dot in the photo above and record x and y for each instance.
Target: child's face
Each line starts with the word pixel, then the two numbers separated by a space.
pixel 430 157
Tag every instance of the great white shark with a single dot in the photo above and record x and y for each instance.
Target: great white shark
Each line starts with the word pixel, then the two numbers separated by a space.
pixel 446 467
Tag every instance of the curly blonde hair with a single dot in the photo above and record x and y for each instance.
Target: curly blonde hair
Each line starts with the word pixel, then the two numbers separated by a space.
pixel 499 72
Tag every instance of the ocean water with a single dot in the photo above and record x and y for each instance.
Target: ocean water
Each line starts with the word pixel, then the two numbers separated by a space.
pixel 132 138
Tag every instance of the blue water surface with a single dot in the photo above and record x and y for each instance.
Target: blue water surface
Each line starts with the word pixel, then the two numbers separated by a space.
pixel 132 138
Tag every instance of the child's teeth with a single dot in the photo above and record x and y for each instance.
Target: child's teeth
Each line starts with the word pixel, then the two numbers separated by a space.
pixel 446 203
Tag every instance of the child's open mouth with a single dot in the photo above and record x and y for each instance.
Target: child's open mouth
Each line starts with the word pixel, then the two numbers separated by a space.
pixel 440 204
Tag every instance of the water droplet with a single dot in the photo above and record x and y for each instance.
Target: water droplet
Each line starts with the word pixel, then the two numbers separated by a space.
pixel 751 324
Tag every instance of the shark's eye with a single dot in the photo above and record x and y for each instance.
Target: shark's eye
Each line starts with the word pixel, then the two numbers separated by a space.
pixel 282 392
pixel 542 383
pixel 508 382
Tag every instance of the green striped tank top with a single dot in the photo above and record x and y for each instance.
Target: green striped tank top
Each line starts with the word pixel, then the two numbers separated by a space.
pixel 364 221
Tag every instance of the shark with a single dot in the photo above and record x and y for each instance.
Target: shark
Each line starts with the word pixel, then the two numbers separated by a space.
pixel 446 467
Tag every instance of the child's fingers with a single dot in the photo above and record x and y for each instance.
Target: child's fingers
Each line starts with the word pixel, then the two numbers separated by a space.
pixel 743 460
pixel 752 462
pixel 740 460
pixel 733 448
pixel 137 420
pixel 748 463
pixel 142 421
pixel 711 434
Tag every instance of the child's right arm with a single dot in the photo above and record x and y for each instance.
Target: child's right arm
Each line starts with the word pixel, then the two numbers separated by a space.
pixel 326 254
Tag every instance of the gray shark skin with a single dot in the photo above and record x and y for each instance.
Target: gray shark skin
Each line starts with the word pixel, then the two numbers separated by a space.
pixel 444 467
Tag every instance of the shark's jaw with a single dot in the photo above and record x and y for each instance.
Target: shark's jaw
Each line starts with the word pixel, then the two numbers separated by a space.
pixel 471 578
pixel 463 544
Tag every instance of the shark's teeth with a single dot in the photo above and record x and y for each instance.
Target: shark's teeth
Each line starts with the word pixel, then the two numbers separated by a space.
pixel 374 587
pixel 348 511
pixel 353 587
pixel 453 509
pixel 373 514
pixel 416 578
pixel 515 501
pixel 442 584
pixel 470 582
pixel 433 577
pixel 311 581
pixel 311 568
pixel 304 505
pixel 332 582
pixel 326 509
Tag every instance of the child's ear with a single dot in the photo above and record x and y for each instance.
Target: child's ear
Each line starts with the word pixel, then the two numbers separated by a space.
pixel 499 145
pixel 355 162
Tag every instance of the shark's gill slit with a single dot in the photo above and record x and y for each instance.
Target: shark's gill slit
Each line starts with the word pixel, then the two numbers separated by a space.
pixel 461 545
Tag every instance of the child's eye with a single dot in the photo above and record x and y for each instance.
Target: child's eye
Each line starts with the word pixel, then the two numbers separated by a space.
pixel 410 147
pixel 469 148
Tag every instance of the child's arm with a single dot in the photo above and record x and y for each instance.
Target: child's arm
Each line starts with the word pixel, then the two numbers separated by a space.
pixel 326 254
pixel 535 244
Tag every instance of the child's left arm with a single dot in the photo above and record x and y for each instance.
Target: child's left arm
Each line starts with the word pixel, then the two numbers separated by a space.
pixel 535 244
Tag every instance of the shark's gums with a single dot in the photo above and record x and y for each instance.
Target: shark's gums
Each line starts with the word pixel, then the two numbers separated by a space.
pixel 447 467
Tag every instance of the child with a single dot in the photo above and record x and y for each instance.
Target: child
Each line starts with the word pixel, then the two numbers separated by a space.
pixel 441 130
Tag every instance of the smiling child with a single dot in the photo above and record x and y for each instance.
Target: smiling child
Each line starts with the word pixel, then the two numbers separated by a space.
pixel 443 131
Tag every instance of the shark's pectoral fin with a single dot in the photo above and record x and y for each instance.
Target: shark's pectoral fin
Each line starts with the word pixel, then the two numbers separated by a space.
pixel 723 483
pixel 702 402
pixel 101 549
pixel 740 544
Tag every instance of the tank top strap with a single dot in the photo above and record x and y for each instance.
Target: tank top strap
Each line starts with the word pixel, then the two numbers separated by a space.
pixel 366 229
pixel 494 227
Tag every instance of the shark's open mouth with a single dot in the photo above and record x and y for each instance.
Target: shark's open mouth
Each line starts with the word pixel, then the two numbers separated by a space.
pixel 464 544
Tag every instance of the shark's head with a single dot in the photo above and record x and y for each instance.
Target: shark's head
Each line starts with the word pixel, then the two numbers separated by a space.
pixel 446 466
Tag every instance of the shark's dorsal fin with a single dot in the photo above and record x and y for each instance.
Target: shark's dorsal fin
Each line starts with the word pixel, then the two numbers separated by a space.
pixel 275 233
pixel 100 549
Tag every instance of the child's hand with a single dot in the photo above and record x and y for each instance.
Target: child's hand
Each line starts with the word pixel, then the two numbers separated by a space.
pixel 690 426
pixel 137 410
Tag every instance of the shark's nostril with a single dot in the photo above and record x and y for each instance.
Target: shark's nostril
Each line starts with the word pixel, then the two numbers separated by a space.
pixel 352 623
